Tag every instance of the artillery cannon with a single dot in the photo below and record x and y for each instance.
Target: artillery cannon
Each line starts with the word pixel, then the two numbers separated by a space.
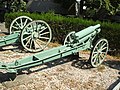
pixel 74 42
pixel 35 40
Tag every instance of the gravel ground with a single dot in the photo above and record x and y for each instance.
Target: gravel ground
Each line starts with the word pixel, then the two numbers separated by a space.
pixel 69 73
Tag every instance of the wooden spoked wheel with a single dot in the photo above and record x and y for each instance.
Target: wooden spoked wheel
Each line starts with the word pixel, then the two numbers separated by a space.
pixel 36 36
pixel 69 38
pixel 19 23
pixel 99 52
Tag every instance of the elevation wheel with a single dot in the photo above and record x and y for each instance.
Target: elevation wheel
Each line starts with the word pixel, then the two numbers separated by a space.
pixel 99 52
pixel 36 36
pixel 19 23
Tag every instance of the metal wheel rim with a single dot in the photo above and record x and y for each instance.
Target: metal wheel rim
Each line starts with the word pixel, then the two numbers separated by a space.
pixel 99 52
pixel 37 35
pixel 68 38
pixel 16 26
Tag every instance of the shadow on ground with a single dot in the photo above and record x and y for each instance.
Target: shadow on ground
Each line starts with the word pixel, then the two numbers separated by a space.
pixel 7 77
pixel 76 62
pixel 115 64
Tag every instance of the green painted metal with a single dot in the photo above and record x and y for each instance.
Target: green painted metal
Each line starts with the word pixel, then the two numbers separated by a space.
pixel 81 40
pixel 9 39
pixel 15 28
pixel 33 35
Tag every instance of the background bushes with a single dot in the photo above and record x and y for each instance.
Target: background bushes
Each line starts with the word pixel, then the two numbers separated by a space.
pixel 61 26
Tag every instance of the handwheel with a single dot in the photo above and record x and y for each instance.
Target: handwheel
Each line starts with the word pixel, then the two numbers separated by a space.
pixel 69 38
pixel 19 23
pixel 36 36
pixel 99 52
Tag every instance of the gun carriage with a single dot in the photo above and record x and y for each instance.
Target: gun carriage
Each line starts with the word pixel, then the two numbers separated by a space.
pixel 36 35
pixel 32 40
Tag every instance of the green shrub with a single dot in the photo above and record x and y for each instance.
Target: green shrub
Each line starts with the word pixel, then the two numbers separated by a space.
pixel 61 26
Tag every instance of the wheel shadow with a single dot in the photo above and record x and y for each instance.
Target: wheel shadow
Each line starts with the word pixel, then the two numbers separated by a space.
pixel 53 63
pixel 115 64
pixel 10 77
pixel 7 77
pixel 75 60
pixel 81 63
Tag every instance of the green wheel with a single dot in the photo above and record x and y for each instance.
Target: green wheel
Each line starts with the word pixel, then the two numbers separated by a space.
pixel 99 52
pixel 19 23
pixel 36 36
pixel 69 38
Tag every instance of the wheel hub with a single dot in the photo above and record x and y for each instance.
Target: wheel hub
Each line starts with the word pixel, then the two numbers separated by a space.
pixel 35 35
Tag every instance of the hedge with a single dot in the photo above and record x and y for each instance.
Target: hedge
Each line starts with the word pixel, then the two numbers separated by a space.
pixel 62 25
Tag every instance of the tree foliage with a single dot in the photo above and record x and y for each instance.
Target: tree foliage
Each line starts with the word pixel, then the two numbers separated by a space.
pixel 94 7
pixel 109 5
pixel 13 5
pixel 18 5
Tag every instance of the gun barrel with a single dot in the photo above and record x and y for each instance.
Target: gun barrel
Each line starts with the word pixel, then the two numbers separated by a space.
pixel 88 31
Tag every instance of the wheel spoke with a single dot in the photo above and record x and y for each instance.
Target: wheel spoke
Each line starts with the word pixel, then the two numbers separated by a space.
pixel 96 49
pixel 42 30
pixel 15 27
pixel 25 22
pixel 28 42
pixel 27 37
pixel 33 27
pixel 31 43
pixel 36 26
pixel 39 44
pixel 99 60
pixel 101 55
pixel 95 52
pixel 40 41
pixel 34 44
pixel 94 56
pixel 27 33
pixel 98 46
pixel 103 45
pixel 104 48
pixel 44 38
pixel 21 22
pixel 17 24
pixel 70 38
pixel 94 60
pixel 104 53
pixel 45 33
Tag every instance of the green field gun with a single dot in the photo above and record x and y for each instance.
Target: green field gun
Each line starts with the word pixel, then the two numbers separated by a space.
pixel 38 32
pixel 32 41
